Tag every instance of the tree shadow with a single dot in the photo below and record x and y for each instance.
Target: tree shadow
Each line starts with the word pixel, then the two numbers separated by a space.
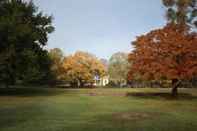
pixel 25 92
pixel 159 95
pixel 14 116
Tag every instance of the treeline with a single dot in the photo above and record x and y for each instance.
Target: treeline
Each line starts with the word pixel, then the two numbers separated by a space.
pixel 161 84
pixel 77 70
pixel 166 54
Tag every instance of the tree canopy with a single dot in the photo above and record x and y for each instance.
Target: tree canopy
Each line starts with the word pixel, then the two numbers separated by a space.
pixel 82 68
pixel 118 67
pixel 56 55
pixel 167 53
pixel 181 12
pixel 23 34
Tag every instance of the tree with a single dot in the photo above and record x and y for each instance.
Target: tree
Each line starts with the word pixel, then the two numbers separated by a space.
pixel 105 63
pixel 181 12
pixel 167 53
pixel 57 57
pixel 81 68
pixel 35 67
pixel 23 34
pixel 118 68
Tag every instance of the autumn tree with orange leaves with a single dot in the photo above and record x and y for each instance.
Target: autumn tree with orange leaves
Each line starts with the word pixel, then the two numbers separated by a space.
pixel 81 68
pixel 169 53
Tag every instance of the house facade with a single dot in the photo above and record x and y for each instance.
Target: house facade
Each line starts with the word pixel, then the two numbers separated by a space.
pixel 102 81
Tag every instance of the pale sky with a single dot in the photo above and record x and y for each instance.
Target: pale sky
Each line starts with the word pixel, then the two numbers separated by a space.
pixel 101 27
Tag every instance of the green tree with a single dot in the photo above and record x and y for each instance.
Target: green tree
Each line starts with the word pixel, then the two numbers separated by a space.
pixel 23 34
pixel 181 12
pixel 57 56
pixel 118 68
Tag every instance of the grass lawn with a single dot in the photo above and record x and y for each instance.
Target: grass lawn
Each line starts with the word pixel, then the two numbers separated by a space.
pixel 97 110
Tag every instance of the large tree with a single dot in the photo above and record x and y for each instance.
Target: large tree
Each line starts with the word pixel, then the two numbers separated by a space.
pixel 82 68
pixel 118 68
pixel 167 53
pixel 23 34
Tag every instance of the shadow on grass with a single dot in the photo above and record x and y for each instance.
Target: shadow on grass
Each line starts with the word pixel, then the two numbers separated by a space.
pixel 167 96
pixel 30 92
pixel 14 116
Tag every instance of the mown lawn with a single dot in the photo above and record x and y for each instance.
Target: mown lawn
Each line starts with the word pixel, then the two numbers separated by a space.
pixel 97 110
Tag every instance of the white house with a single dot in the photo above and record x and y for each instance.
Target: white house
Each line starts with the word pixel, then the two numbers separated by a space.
pixel 103 81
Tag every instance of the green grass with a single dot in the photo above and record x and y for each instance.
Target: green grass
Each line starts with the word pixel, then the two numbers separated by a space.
pixel 99 109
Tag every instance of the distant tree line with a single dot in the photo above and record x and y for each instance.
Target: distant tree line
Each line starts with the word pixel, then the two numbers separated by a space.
pixel 163 57
pixel 77 70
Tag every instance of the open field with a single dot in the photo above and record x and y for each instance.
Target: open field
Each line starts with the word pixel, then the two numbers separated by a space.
pixel 97 110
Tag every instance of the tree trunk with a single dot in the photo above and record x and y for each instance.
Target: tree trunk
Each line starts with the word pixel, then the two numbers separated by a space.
pixel 6 85
pixel 12 80
pixel 81 84
pixel 175 85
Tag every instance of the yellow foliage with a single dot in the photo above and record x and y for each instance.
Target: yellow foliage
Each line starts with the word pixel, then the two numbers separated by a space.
pixel 82 67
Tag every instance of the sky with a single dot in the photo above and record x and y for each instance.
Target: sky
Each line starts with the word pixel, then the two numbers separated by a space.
pixel 100 27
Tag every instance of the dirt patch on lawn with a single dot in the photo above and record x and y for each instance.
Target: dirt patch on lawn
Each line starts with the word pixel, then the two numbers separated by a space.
pixel 132 116
pixel 106 94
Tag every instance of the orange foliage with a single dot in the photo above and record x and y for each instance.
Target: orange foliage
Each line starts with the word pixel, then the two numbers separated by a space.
pixel 168 53
pixel 82 67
